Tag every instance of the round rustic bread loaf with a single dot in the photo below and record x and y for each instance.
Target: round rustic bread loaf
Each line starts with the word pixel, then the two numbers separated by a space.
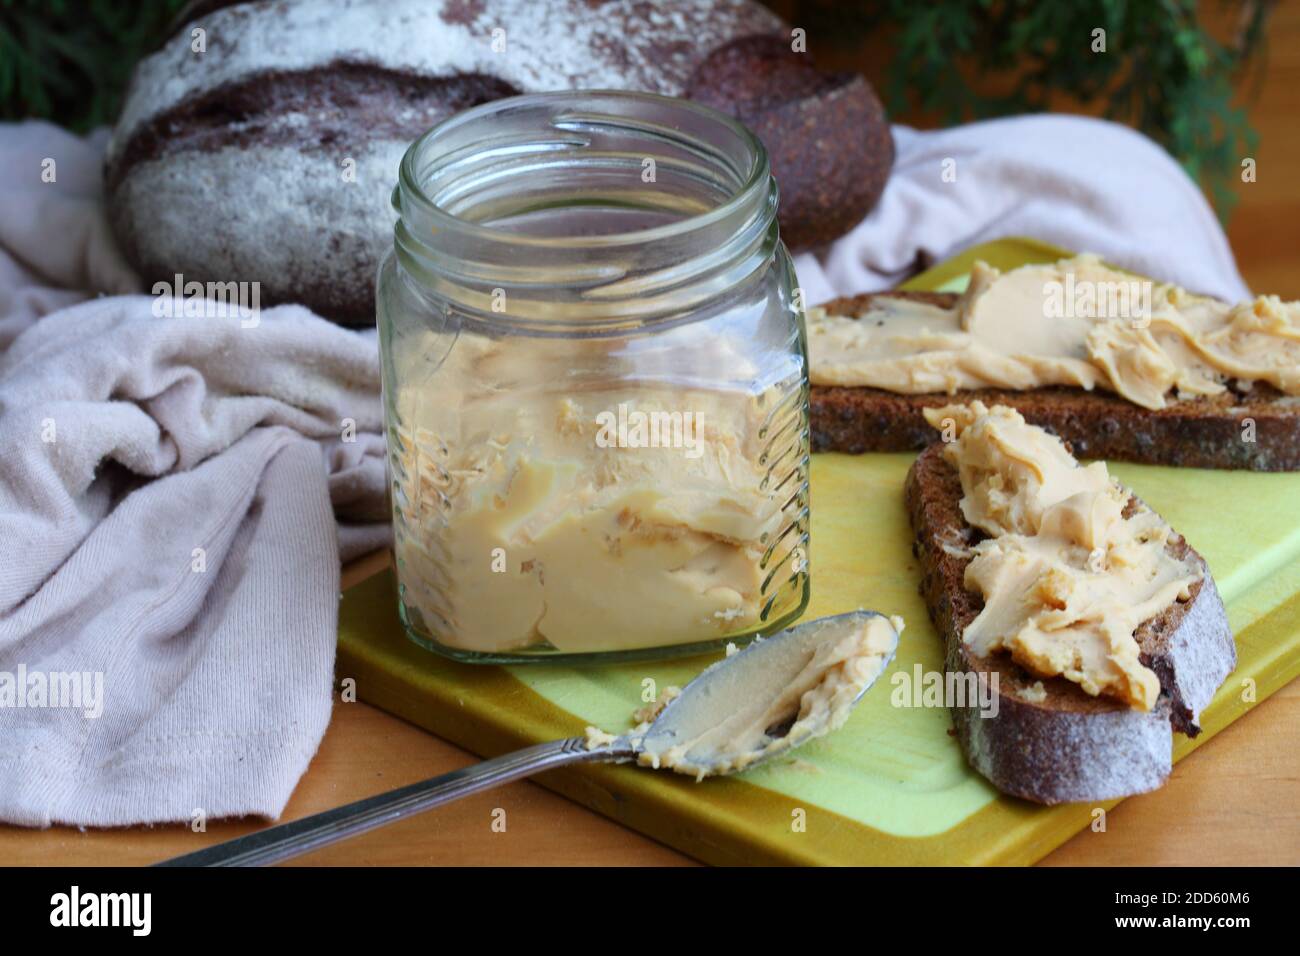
pixel 829 140
pixel 265 148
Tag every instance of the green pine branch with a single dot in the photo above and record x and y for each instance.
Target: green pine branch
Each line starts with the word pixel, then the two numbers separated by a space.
pixel 70 60
pixel 1161 72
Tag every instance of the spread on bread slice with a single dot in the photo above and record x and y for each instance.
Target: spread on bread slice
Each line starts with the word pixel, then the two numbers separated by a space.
pixel 1094 624
pixel 1119 366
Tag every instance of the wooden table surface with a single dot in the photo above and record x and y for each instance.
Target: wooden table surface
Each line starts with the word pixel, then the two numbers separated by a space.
pixel 1234 801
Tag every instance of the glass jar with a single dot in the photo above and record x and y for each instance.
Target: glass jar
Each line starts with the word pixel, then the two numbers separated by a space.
pixel 595 383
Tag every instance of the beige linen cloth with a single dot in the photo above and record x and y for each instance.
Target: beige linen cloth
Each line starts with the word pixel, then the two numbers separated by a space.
pixel 176 494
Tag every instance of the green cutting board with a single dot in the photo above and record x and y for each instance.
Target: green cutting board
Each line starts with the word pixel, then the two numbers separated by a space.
pixel 891 785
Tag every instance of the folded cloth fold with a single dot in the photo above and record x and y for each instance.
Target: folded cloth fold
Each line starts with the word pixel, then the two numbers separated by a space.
pixel 176 493
pixel 165 508
pixel 1083 184
pixel 175 498
pixel 55 244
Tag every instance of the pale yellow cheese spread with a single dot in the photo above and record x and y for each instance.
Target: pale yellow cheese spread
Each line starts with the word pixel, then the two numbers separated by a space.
pixel 811 698
pixel 525 518
pixel 1066 578
pixel 1075 322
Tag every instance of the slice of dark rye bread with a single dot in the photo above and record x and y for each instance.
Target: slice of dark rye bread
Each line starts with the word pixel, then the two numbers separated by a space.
pixel 1198 433
pixel 1064 745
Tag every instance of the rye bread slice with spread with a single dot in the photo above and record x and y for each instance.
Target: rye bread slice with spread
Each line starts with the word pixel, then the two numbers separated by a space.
pixel 1199 433
pixel 1062 745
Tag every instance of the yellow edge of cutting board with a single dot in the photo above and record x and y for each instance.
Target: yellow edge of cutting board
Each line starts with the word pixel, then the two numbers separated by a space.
pixel 489 711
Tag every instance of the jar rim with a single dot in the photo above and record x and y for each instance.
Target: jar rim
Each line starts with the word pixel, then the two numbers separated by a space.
pixel 752 190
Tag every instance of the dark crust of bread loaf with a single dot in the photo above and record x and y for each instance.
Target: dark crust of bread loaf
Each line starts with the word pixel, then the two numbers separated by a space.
pixel 1198 433
pixel 1067 746
pixel 351 101
pixel 826 134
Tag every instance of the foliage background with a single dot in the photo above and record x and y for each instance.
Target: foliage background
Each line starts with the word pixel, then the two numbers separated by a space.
pixel 1162 71
pixel 69 61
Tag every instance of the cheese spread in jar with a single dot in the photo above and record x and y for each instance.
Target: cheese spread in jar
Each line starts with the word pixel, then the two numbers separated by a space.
pixel 584 518
pixel 598 439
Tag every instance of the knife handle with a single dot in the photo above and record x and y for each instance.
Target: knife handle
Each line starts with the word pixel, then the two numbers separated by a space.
pixel 287 840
